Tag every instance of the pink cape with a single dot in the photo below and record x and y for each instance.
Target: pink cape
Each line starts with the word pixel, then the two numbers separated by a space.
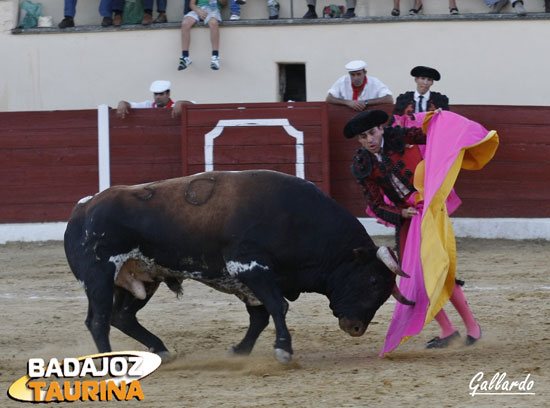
pixel 429 256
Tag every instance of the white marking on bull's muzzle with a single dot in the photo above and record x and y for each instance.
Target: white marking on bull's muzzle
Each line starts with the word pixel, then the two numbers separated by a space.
pixel 234 268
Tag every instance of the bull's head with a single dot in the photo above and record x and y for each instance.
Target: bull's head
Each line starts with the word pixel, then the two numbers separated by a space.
pixel 364 286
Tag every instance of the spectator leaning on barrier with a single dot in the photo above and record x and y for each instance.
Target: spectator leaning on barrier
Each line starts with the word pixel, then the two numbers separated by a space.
pixel 422 99
pixel 148 12
pixel 106 8
pixel 497 5
pixel 161 99
pixel 235 8
pixel 311 13
pixel 356 90
pixel 208 11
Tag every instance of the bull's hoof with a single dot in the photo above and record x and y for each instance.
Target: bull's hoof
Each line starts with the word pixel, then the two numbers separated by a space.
pixel 165 356
pixel 283 356
pixel 234 351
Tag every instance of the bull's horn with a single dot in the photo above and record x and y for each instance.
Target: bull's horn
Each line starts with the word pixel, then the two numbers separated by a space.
pixel 400 298
pixel 385 255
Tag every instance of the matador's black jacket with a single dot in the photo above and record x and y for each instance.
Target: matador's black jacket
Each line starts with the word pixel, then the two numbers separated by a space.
pixel 405 104
pixel 399 158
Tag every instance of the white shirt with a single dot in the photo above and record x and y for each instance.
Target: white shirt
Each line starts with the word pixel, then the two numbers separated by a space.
pixel 146 104
pixel 374 88
pixel 425 99
pixel 141 105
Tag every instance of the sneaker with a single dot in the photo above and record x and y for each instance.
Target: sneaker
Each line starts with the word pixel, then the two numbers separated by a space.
pixel 107 21
pixel 520 10
pixel 273 8
pixel 349 14
pixel 184 63
pixel 66 22
pixel 235 17
pixel 215 62
pixel 310 14
pixel 499 5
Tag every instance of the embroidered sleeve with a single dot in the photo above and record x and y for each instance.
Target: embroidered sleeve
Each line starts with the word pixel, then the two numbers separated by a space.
pixel 375 201
pixel 404 104
pixel 414 136
pixel 439 101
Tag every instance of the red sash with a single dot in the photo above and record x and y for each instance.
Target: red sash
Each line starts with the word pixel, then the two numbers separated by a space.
pixel 168 105
pixel 357 90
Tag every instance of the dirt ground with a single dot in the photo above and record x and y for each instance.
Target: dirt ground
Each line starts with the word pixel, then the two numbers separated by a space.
pixel 507 285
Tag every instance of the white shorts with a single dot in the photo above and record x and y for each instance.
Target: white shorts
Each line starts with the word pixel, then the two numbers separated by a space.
pixel 211 12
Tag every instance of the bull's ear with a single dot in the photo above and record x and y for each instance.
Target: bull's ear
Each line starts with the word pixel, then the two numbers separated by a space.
pixel 365 255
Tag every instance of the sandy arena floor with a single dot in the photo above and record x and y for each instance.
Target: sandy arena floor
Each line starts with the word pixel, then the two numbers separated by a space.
pixel 507 285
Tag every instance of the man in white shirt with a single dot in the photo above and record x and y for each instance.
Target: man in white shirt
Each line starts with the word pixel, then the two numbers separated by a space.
pixel 356 90
pixel 161 99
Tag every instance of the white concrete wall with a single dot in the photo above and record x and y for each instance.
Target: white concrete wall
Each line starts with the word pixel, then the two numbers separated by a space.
pixel 486 228
pixel 495 61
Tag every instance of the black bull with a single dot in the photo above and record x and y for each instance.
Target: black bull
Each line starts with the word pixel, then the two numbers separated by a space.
pixel 261 235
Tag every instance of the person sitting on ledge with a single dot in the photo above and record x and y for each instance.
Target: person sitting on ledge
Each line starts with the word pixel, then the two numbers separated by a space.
pixel 148 12
pixel 106 8
pixel 311 13
pixel 497 6
pixel 417 8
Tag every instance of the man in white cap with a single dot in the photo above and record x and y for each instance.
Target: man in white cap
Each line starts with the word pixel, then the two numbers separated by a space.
pixel 356 90
pixel 161 96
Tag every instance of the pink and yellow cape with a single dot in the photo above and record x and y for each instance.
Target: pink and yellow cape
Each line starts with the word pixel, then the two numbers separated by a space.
pixel 453 143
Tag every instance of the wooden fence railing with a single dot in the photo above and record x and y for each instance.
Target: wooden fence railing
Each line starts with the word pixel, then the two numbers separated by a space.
pixel 48 160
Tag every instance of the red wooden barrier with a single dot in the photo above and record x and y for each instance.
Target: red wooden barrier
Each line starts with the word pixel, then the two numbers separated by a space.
pixel 252 137
pixel 48 160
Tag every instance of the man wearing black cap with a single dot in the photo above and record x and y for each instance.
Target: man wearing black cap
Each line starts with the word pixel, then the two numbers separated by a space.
pixel 385 166
pixel 422 99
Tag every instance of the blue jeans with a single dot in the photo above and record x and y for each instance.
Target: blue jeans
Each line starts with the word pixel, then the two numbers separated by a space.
pixel 235 8
pixel 105 8
pixel 161 5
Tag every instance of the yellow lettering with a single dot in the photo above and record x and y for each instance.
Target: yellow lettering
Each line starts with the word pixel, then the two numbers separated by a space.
pixel 89 390
pixel 134 391
pixel 67 391
pixel 103 392
pixel 36 386
pixel 118 391
pixel 54 392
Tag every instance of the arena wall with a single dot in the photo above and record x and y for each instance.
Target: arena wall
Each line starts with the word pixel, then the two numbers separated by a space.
pixel 50 159
pixel 484 59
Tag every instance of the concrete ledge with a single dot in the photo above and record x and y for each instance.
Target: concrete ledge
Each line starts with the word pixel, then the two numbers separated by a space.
pixel 488 228
pixel 293 21
pixel 30 232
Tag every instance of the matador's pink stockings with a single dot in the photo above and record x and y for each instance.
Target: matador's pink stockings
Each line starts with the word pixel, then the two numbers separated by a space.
pixel 459 302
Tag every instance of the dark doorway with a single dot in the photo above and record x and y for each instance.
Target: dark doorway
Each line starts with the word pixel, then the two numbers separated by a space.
pixel 292 82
